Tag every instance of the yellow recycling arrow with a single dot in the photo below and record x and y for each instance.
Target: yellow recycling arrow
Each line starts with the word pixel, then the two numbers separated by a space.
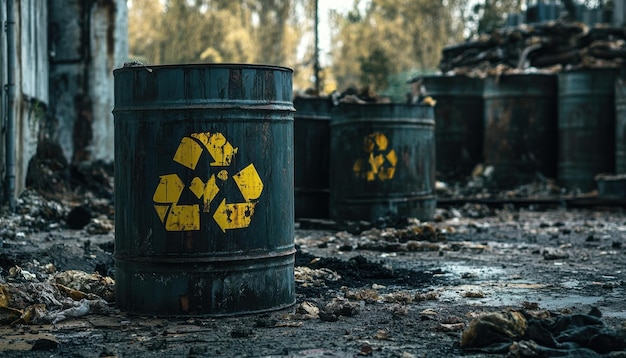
pixel 377 164
pixel 249 182
pixel 219 148
pixel 233 216
pixel 188 153
pixel 180 217
pixel 183 218
pixel 208 191
pixel 187 217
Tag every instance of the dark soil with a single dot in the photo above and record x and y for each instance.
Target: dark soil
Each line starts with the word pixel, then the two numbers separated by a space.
pixel 405 289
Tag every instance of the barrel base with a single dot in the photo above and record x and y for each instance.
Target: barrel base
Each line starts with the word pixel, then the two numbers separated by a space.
pixel 422 208
pixel 224 288
pixel 611 186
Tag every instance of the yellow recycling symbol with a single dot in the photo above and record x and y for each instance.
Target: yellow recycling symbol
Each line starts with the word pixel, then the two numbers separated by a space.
pixel 380 162
pixel 187 217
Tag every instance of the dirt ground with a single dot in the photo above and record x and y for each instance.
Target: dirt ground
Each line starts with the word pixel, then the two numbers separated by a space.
pixel 478 280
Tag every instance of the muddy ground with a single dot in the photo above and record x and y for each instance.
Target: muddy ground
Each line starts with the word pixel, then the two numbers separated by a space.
pixel 412 289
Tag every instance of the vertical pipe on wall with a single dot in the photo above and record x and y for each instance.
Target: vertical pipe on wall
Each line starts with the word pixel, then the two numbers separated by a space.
pixel 316 64
pixel 10 133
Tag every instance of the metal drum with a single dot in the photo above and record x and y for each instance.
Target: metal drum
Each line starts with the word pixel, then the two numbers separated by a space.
pixel 586 126
pixel 312 148
pixel 382 161
pixel 520 127
pixel 458 123
pixel 204 189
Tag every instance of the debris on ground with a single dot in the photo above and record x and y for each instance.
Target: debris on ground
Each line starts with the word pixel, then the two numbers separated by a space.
pixel 520 334
pixel 539 48
pixel 392 287
pixel 66 295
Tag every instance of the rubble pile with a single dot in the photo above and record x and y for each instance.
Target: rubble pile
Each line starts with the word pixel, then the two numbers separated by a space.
pixel 546 47
pixel 482 185
pixel 543 334
pixel 27 299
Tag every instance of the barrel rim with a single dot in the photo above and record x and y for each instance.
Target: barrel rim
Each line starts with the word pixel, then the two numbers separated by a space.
pixel 230 65
pixel 426 122
pixel 207 104
pixel 455 76
pixel 523 75
pixel 591 69
pixel 382 105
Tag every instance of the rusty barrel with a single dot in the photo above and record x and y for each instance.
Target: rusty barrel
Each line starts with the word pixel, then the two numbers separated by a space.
pixel 520 122
pixel 204 189
pixel 620 125
pixel 458 123
pixel 311 132
pixel 586 126
pixel 382 161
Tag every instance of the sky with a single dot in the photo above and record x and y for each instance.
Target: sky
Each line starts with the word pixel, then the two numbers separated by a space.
pixel 324 7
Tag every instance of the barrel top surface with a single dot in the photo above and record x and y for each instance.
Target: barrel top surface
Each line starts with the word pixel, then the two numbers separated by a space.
pixel 589 70
pixel 203 86
pixel 383 109
pixel 204 66
pixel 452 78
pixel 393 106
pixel 461 85
pixel 521 77
pixel 347 113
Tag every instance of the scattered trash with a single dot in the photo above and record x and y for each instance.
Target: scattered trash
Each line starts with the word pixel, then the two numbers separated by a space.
pixel 341 307
pixel 93 283
pixel 306 276
pixel 520 334
pixel 547 47
pixel 50 302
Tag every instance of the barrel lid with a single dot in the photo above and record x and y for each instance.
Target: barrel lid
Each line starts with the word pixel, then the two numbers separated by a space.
pixel 133 65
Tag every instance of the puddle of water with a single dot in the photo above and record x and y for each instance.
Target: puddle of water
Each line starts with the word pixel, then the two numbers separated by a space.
pixel 513 294
pixel 498 287
pixel 477 272
pixel 571 284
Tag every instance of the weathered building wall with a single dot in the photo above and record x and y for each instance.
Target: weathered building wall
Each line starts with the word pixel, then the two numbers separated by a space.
pixel 3 100
pixel 31 84
pixel 110 50
pixel 88 40
pixel 65 54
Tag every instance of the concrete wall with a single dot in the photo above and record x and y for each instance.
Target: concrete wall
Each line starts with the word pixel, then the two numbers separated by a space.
pixel 619 12
pixel 89 39
pixel 109 51
pixel 31 84
pixel 65 57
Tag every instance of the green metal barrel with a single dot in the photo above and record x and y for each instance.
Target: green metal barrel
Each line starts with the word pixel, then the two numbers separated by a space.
pixel 204 189
pixel 312 148
pixel 520 122
pixel 586 126
pixel 382 161
pixel 458 123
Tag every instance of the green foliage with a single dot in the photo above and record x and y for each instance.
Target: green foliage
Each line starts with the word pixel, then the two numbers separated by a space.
pixel 388 37
pixel 184 31
pixel 372 44
pixel 491 14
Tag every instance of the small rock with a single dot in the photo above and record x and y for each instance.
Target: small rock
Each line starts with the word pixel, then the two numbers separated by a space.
pixel 78 217
pixel 241 332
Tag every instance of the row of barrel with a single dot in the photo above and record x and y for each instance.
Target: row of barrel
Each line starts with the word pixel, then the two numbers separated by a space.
pixel 211 161
pixel 363 161
pixel 204 181
pixel 569 126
